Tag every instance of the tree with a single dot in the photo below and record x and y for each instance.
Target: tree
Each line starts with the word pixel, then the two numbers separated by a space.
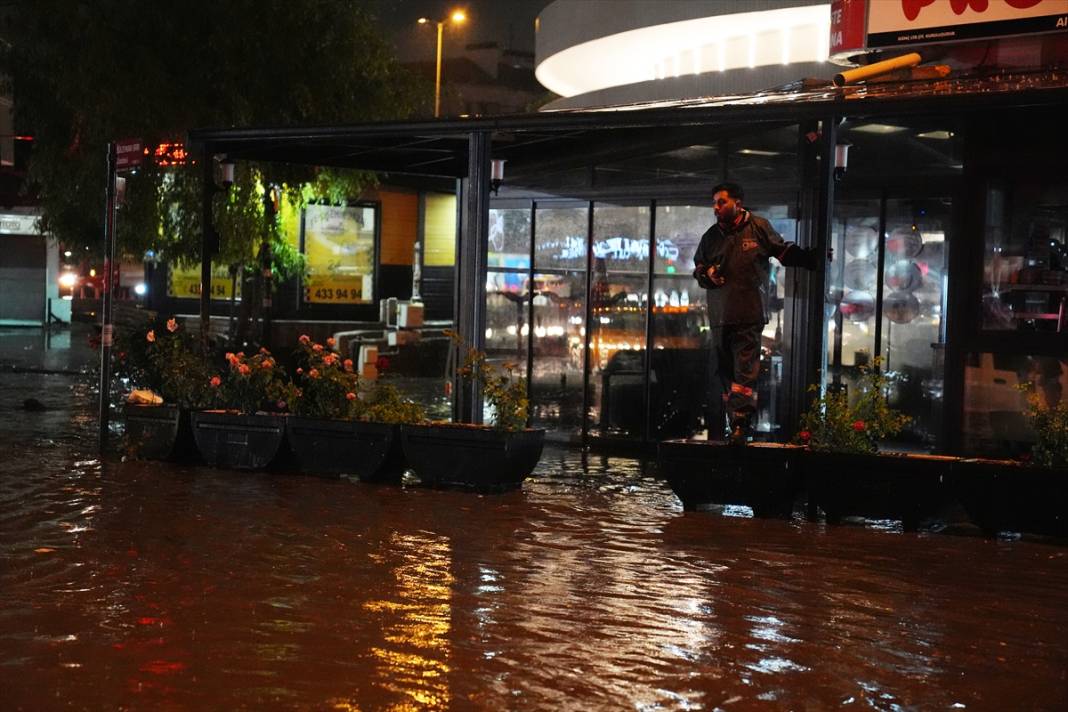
pixel 85 73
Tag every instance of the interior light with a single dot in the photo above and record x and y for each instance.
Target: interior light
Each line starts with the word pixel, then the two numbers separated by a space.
pixel 140 289
pixel 68 279
pixel 758 152
pixel 877 128
pixel 67 253
pixel 936 135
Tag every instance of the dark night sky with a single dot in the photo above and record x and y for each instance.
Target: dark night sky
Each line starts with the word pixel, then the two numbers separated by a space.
pixel 508 22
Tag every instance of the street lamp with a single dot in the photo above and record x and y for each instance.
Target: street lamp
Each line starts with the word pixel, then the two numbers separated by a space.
pixel 457 18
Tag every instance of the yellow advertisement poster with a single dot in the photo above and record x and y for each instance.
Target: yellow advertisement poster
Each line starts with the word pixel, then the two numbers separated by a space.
pixel 184 282
pixel 339 246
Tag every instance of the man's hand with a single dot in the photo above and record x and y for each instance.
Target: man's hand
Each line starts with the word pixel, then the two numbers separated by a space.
pixel 715 277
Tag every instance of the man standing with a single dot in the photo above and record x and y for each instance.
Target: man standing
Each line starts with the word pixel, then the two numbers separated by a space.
pixel 731 262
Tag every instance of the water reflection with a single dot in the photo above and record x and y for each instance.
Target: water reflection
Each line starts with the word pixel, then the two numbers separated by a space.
pixel 177 587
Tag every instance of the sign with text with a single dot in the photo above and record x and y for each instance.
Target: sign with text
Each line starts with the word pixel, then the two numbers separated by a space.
pixel 184 283
pixel 896 23
pixel 339 247
pixel 128 154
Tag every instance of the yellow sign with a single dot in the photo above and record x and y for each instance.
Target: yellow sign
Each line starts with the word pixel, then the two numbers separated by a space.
pixel 339 246
pixel 184 283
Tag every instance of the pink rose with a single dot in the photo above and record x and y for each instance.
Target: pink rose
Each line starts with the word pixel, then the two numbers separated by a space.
pixel 859 426
pixel 244 370
pixel 172 325
pixel 216 381
pixel 266 363
pixel 151 336
pixel 314 373
pixel 348 364
pixel 330 342
pixel 351 396
pixel 281 405
pixel 317 348
pixel 300 371
pixel 329 359
pixel 304 338
pixel 805 436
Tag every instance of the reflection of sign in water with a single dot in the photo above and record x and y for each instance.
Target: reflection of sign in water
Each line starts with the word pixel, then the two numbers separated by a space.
pixel 339 248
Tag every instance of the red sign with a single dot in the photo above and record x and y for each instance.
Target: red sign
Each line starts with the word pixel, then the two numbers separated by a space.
pixel 128 154
pixel 857 25
pixel 847 26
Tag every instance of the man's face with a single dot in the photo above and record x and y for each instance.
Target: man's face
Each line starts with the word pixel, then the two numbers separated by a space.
pixel 725 207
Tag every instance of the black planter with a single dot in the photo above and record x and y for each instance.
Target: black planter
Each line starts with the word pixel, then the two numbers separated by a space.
pixel 1005 495
pixel 763 476
pixel 906 487
pixel 344 447
pixel 471 457
pixel 158 432
pixel 244 442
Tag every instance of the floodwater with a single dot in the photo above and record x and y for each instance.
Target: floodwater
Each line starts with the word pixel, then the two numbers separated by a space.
pixel 127 585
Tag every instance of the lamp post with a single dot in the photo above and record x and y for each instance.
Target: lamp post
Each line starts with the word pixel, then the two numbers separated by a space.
pixel 457 17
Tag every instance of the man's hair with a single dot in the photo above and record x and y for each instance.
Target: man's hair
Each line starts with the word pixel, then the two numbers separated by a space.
pixel 732 189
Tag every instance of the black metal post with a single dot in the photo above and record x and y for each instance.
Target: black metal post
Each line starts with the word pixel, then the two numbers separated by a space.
pixel 880 269
pixel 471 267
pixel 530 314
pixel 107 329
pixel 588 321
pixel 209 244
pixel 647 434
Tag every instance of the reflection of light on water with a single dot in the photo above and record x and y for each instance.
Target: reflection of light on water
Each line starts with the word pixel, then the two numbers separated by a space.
pixel 417 623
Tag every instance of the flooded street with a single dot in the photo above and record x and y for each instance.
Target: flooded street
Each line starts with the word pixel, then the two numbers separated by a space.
pixel 127 585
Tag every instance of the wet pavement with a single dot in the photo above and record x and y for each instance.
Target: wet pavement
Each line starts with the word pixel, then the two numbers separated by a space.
pixel 128 585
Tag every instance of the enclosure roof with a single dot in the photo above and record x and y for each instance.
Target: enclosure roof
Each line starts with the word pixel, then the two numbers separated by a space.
pixel 439 147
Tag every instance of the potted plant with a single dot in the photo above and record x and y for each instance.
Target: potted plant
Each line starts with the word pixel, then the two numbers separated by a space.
pixel 1029 494
pixel 486 458
pixel 337 429
pixel 762 476
pixel 247 433
pixel 845 472
pixel 164 360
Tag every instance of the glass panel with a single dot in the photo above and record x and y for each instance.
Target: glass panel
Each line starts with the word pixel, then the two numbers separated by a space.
pixel 994 409
pixel 769 156
pixel 509 237
pixel 559 343
pixel 678 232
pixel 901 149
pixel 769 383
pixel 560 237
pixel 851 278
pixel 339 248
pixel 1025 275
pixel 617 338
pixel 914 277
pixel 507 307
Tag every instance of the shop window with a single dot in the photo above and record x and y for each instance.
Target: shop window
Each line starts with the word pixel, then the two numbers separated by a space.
pixel 995 407
pixel 903 324
pixel 339 248
pixel 1025 270
pixel 557 289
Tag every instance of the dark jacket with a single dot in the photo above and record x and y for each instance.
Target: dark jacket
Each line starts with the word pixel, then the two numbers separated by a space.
pixel 740 255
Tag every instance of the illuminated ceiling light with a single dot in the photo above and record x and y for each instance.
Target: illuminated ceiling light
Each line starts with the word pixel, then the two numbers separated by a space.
pixel 937 135
pixel 758 152
pixel 786 45
pixel 628 57
pixel 68 279
pixel 880 129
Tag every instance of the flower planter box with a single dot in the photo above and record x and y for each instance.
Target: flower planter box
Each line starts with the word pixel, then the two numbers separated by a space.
pixel 244 442
pixel 763 476
pixel 470 456
pixel 158 432
pixel 906 487
pixel 1005 495
pixel 343 447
